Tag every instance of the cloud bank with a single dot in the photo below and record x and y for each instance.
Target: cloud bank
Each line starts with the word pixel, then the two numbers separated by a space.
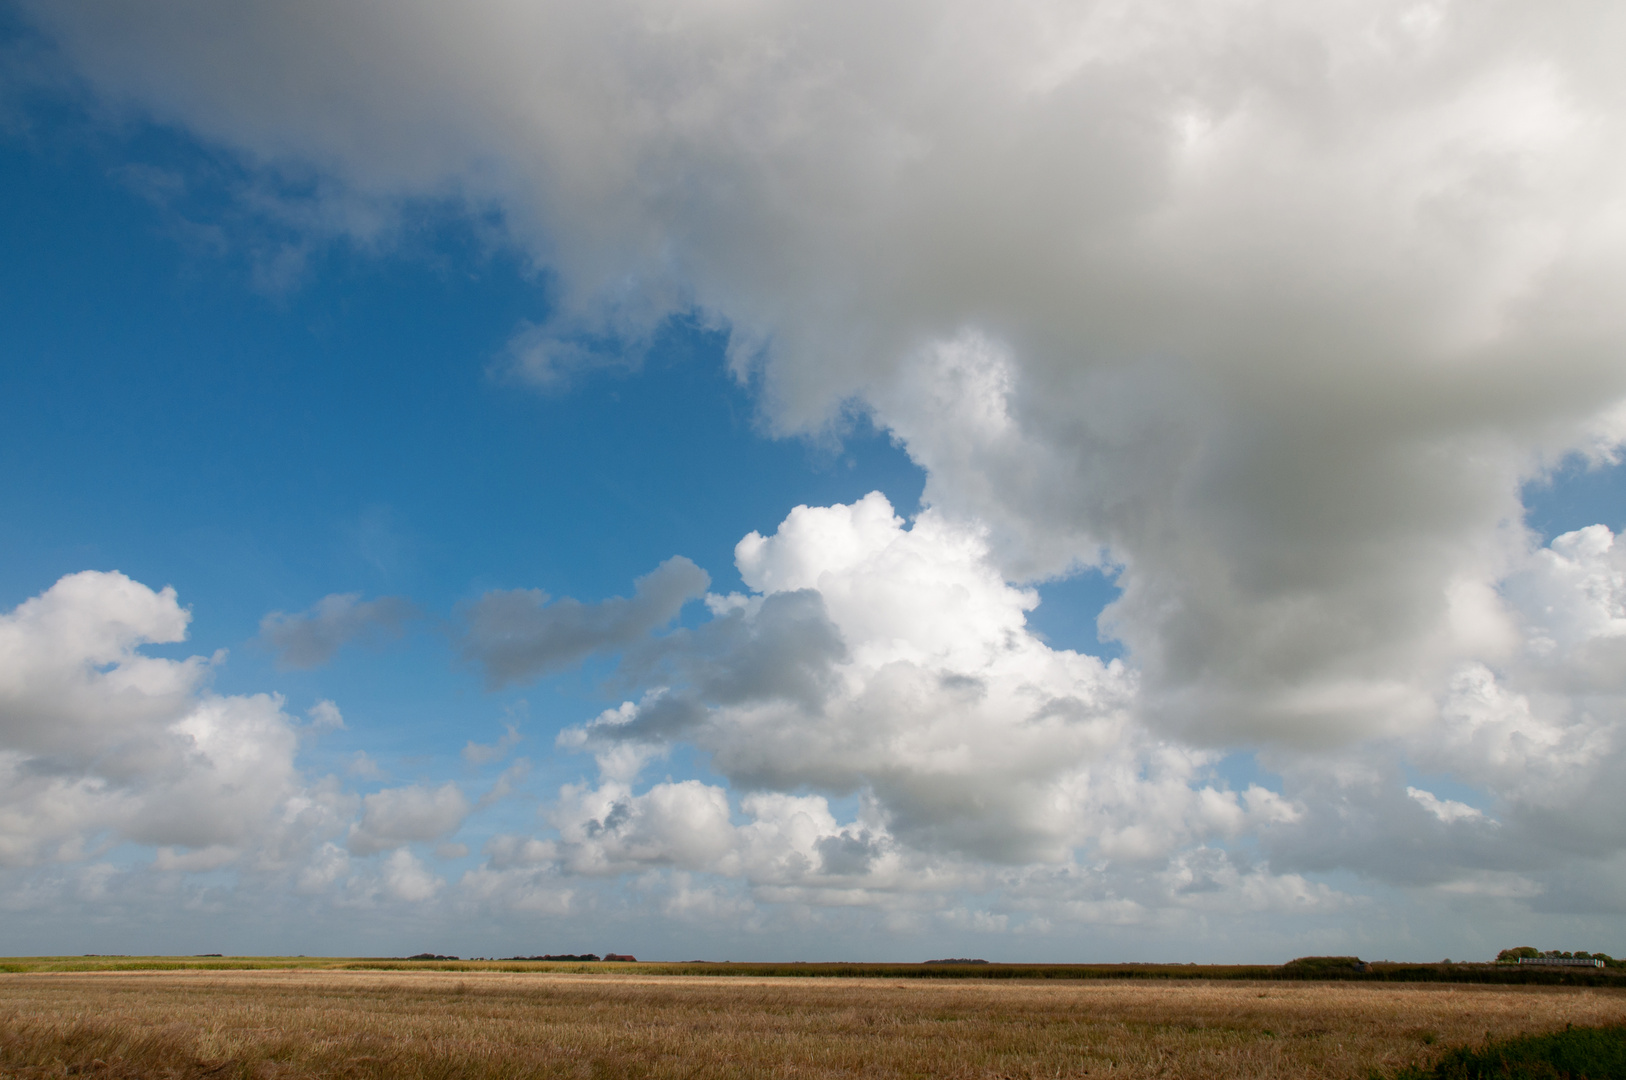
pixel 890 736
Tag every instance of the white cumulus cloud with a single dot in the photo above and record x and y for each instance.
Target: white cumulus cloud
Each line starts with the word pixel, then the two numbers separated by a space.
pixel 893 663
pixel 100 743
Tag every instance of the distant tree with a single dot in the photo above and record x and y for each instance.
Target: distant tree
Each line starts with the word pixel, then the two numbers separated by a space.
pixel 1513 955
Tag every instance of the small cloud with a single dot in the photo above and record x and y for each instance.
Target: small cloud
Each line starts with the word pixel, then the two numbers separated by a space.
pixel 551 356
pixel 329 863
pixel 1447 810
pixel 505 784
pixel 325 715
pixel 406 878
pixel 212 857
pixel 381 539
pixel 507 851
pixel 518 635
pixel 451 851
pixel 484 754
pixel 1500 884
pixel 363 767
pixel 158 186
pixel 311 637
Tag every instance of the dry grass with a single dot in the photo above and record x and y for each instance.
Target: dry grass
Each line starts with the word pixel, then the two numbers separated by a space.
pixel 437 1025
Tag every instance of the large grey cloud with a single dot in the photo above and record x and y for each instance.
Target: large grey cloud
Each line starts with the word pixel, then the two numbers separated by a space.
pixel 1272 304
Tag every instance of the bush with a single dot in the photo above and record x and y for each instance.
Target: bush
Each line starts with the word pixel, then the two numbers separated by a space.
pixel 1324 967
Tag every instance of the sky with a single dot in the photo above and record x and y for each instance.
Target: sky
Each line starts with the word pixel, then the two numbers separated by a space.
pixel 721 480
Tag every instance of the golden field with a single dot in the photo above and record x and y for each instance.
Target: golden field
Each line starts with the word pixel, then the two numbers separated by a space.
pixel 440 1024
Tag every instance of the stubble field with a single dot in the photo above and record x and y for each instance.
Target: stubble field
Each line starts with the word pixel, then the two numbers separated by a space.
pixel 265 1024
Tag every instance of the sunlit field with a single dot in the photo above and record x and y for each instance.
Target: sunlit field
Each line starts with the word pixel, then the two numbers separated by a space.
pixel 442 1024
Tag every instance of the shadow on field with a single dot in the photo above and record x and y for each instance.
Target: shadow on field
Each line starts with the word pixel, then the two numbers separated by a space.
pixel 1576 1053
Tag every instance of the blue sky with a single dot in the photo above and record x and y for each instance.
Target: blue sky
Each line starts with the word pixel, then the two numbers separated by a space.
pixel 356 366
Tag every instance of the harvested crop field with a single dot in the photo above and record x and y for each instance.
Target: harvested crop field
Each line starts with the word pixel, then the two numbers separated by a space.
pixel 487 1024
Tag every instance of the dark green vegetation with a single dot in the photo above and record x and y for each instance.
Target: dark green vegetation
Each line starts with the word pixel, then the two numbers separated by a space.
pixel 1325 967
pixel 1576 1053
pixel 1309 968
